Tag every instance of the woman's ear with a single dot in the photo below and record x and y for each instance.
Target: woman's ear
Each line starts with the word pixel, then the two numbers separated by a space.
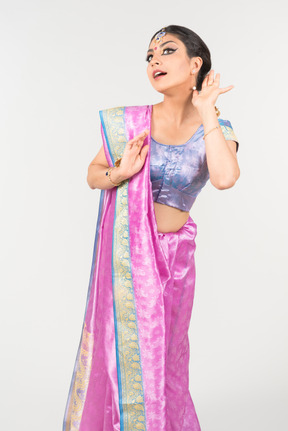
pixel 195 65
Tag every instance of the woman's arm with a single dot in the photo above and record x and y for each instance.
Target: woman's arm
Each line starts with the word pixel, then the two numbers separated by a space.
pixel 132 161
pixel 220 153
pixel 97 178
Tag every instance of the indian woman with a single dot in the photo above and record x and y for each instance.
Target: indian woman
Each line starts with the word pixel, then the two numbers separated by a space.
pixel 132 366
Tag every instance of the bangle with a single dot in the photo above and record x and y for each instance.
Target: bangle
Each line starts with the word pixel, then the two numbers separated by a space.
pixel 108 172
pixel 217 127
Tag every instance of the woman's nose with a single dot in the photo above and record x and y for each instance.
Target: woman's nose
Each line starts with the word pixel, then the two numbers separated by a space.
pixel 155 60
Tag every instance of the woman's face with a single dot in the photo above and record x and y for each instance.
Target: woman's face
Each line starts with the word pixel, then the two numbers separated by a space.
pixel 169 58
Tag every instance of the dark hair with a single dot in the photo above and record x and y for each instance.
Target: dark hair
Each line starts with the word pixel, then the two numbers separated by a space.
pixel 195 47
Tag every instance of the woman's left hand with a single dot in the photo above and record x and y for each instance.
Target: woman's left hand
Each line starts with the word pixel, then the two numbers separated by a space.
pixel 209 92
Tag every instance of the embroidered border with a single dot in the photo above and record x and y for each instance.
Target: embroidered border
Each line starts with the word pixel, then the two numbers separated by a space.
pixel 81 380
pixel 227 130
pixel 131 392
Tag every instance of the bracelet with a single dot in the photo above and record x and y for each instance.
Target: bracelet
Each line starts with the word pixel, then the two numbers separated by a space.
pixel 108 172
pixel 217 127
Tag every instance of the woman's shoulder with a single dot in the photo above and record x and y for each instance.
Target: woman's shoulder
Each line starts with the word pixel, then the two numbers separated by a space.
pixel 118 109
pixel 119 117
pixel 228 131
pixel 224 122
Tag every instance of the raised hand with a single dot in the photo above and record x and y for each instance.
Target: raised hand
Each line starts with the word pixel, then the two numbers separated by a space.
pixel 209 92
pixel 134 155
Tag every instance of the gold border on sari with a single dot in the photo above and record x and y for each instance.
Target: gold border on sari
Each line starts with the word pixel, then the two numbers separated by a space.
pixel 82 375
pixel 131 392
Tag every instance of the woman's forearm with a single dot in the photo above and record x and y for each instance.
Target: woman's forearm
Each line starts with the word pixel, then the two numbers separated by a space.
pixel 97 178
pixel 222 163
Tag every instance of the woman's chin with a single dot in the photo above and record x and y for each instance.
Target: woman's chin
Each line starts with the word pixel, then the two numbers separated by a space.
pixel 173 89
pixel 163 89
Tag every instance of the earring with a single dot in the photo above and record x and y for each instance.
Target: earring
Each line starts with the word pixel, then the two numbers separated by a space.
pixel 194 88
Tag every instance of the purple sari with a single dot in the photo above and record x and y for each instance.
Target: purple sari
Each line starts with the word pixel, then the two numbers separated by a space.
pixel 132 365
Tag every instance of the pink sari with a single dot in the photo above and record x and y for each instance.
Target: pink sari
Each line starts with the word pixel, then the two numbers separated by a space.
pixel 132 365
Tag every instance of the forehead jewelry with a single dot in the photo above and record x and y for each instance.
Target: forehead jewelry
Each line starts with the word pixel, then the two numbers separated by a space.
pixel 159 37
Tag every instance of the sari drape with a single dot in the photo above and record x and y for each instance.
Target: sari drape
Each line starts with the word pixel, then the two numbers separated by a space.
pixel 132 364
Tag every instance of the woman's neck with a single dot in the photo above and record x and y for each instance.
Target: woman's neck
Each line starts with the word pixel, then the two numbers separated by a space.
pixel 178 109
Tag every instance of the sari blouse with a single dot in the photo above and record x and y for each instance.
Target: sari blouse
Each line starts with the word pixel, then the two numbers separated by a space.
pixel 179 172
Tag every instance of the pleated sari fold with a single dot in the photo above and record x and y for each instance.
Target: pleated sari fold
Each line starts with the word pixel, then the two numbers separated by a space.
pixel 137 312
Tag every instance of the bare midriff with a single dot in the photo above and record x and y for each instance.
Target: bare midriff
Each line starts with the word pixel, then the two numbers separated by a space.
pixel 169 219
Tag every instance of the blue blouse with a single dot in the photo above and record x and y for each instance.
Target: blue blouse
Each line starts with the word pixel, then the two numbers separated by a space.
pixel 179 172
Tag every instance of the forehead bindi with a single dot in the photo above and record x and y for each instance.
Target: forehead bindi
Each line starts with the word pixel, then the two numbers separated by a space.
pixel 164 41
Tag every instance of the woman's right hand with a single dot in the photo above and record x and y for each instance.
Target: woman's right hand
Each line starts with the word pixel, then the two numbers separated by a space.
pixel 134 156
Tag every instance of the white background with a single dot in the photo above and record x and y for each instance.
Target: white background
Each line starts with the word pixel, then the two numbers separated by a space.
pixel 63 61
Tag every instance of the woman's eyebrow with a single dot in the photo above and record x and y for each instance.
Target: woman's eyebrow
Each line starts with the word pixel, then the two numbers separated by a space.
pixel 162 44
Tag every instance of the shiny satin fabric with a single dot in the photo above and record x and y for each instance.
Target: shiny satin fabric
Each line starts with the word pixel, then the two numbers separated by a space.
pixel 179 172
pixel 179 249
pixel 132 365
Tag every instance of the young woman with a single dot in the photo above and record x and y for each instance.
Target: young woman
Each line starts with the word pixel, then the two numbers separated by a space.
pixel 132 365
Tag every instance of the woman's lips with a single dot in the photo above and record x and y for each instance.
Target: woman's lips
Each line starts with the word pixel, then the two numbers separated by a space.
pixel 158 73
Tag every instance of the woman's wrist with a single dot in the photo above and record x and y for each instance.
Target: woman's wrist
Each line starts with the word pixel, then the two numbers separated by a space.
pixel 116 175
pixel 207 111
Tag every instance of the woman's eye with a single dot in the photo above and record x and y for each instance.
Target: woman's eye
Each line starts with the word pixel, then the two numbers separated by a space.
pixel 168 50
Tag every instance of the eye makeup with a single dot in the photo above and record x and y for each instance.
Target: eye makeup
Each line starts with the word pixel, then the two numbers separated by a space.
pixel 170 51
